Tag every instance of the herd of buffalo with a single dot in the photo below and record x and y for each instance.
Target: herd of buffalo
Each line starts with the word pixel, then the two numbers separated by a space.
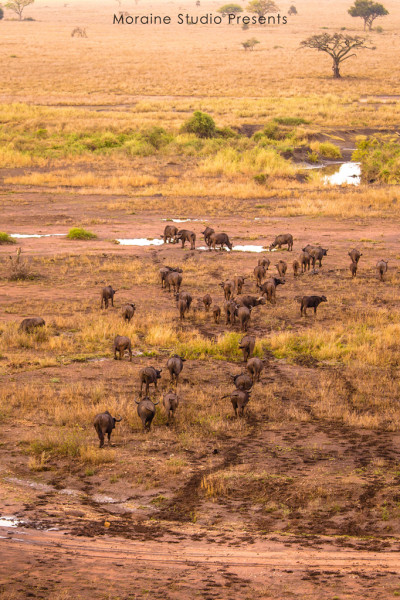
pixel 236 306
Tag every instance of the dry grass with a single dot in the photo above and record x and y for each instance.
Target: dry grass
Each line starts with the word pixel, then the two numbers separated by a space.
pixel 339 370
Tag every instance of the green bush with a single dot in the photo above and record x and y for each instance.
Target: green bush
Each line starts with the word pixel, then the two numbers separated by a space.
pixel 201 124
pixel 329 150
pixel 158 137
pixel 379 157
pixel 6 239
pixel 78 233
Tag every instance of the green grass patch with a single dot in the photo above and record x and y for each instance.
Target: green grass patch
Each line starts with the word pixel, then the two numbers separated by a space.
pixel 5 238
pixel 78 233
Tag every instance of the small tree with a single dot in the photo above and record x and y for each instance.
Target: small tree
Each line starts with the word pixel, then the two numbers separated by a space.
pixel 201 124
pixel 230 9
pixel 292 10
pixel 250 44
pixel 262 7
pixel 368 11
pixel 18 6
pixel 338 46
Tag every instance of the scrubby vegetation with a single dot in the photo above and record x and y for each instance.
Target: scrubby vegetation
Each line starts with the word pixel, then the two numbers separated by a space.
pixel 380 158
pixel 78 233
pixel 5 238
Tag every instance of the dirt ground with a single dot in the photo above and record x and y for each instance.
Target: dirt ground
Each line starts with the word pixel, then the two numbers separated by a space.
pixel 319 516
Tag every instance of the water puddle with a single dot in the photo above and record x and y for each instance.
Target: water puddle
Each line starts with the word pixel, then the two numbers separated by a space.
pixel 181 220
pixel 22 236
pixel 140 242
pixel 9 522
pixel 347 174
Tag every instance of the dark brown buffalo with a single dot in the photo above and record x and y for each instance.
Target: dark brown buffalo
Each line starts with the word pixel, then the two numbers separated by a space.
pixel 305 261
pixel 217 313
pixel 104 423
pixel 31 323
pixel 255 366
pixel 207 233
pixel 186 236
pixel 242 381
pixel 239 399
pixel 281 267
pixel 175 279
pixel 175 366
pixel 259 273
pixel 355 255
pixel 239 283
pixel 250 301
pixel 229 288
pixel 128 311
pixel 122 343
pixel 311 302
pixel 282 240
pixel 147 376
pixel 247 346
pixel 264 262
pixel 164 272
pixel 230 311
pixel 244 315
pixel 269 288
pixel 107 294
pixel 169 234
pixel 207 301
pixel 170 403
pixel 146 410
pixel 382 267
pixel 221 240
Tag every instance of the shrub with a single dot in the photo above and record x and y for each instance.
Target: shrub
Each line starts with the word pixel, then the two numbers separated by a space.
pixel 158 137
pixel 379 157
pixel 201 124
pixel 312 157
pixel 326 149
pixel 78 233
pixel 6 239
pixel 250 44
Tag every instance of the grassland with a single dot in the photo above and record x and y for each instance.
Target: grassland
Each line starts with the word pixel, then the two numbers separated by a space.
pixel 92 141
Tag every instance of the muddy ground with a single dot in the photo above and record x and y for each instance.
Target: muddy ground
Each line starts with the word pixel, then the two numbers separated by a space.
pixel 319 516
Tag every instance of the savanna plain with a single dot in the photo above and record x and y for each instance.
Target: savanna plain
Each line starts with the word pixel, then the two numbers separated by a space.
pixel 300 497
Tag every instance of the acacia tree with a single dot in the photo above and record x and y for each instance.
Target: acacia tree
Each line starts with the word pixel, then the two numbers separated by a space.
pixel 338 46
pixel 262 7
pixel 368 11
pixel 230 9
pixel 18 6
